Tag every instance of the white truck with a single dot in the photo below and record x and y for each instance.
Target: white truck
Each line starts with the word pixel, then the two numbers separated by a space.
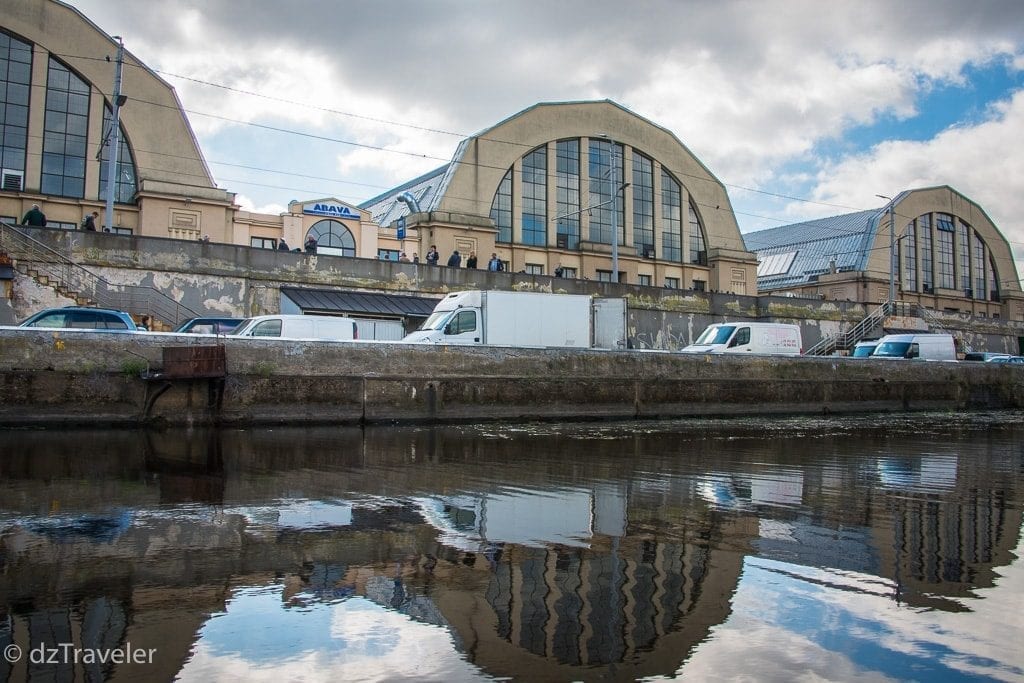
pixel 535 319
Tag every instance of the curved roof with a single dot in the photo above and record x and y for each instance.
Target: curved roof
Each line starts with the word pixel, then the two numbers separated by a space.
pixel 845 240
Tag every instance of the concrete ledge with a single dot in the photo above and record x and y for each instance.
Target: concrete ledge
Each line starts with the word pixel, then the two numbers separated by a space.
pixel 80 377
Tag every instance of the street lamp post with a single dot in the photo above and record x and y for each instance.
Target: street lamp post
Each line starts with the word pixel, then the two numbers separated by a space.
pixel 615 212
pixel 114 137
pixel 892 250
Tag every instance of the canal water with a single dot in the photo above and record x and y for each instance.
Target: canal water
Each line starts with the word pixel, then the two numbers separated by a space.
pixel 841 549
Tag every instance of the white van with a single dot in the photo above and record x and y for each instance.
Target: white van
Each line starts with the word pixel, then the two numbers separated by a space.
pixel 298 327
pixel 776 339
pixel 921 346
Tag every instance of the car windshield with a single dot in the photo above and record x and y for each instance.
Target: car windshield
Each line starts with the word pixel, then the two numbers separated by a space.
pixel 892 349
pixel 435 321
pixel 241 327
pixel 716 335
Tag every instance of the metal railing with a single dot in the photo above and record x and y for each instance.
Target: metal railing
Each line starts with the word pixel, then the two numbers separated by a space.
pixel 845 340
pixel 52 268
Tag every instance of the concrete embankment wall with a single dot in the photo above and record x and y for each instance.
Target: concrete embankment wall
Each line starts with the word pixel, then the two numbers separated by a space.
pixel 67 378
pixel 226 279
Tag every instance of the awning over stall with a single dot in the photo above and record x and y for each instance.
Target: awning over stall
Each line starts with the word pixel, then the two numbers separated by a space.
pixel 359 303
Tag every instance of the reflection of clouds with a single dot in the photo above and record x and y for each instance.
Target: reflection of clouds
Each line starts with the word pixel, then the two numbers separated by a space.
pixel 352 640
pixel 792 622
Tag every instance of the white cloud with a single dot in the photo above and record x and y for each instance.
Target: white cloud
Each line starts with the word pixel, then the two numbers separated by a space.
pixel 974 160
pixel 754 89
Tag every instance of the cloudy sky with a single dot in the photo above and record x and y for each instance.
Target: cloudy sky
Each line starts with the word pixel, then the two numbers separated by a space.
pixel 802 108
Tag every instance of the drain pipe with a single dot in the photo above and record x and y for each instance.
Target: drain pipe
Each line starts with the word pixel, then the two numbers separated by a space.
pixel 410 201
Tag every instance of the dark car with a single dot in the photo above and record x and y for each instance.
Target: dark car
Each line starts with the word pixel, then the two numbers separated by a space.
pixel 209 325
pixel 984 356
pixel 82 318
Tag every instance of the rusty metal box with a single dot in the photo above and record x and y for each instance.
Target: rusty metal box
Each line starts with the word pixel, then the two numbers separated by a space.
pixel 194 361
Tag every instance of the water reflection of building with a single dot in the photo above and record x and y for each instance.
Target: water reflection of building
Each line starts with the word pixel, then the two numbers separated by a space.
pixel 632 596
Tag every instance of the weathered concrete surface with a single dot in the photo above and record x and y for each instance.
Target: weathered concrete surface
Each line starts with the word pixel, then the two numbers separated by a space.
pixel 226 279
pixel 81 377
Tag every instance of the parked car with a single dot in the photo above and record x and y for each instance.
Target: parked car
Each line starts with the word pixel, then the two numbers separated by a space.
pixel 209 325
pixel 1014 360
pixel 82 318
pixel 984 356
pixel 863 349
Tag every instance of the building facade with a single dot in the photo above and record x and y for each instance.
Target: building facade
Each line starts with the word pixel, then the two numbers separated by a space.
pixel 945 255
pixel 585 190
pixel 576 187
pixel 548 187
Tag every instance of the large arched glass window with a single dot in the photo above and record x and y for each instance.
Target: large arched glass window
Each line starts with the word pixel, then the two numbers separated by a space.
pixel 124 190
pixel 15 85
pixel 924 226
pixel 586 196
pixel 567 178
pixel 535 197
pixel 698 245
pixel 606 214
pixel 332 237
pixel 672 219
pixel 65 130
pixel 910 262
pixel 963 235
pixel 643 205
pixel 945 232
pixel 501 209
pixel 978 252
pixel 993 280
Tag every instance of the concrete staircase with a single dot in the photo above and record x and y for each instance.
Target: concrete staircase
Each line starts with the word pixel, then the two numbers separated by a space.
pixel 59 272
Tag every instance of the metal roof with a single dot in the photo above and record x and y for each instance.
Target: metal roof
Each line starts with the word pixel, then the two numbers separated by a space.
pixel 360 303
pixel 842 242
pixel 385 208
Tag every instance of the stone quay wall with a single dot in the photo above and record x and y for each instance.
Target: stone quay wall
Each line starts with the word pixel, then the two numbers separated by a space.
pixel 80 378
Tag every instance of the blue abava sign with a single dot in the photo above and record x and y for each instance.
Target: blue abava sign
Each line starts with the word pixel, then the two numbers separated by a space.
pixel 332 209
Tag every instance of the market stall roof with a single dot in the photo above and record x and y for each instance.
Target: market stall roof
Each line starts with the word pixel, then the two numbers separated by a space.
pixel 359 303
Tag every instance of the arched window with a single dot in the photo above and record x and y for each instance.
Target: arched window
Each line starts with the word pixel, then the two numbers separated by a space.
pixel 586 196
pixel 978 248
pixel 15 85
pixel 124 190
pixel 605 213
pixel 501 209
pixel 332 237
pixel 698 245
pixel 567 178
pixel 910 262
pixel 643 205
pixel 672 219
pixel 65 131
pixel 535 197
pixel 924 229
pixel 993 279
